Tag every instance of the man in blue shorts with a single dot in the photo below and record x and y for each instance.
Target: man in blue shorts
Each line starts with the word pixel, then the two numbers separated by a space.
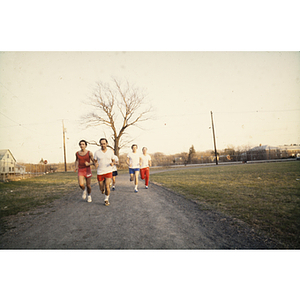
pixel 115 172
pixel 133 162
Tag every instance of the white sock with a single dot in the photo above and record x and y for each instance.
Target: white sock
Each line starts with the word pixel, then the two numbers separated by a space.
pixel 106 198
pixel 136 187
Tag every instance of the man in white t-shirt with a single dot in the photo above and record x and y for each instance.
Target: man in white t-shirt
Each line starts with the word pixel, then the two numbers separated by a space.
pixel 115 172
pixel 145 162
pixel 104 159
pixel 133 162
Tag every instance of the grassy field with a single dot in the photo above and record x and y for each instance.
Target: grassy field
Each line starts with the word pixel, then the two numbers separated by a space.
pixel 26 194
pixel 266 196
pixel 23 195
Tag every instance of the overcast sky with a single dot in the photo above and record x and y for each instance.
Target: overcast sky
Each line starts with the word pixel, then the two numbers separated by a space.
pixel 254 97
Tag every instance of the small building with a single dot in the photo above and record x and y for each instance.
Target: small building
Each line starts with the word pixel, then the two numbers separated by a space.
pixel 19 169
pixel 7 162
pixel 265 152
pixel 289 150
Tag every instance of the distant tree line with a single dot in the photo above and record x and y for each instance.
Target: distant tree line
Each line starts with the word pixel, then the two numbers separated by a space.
pixel 229 154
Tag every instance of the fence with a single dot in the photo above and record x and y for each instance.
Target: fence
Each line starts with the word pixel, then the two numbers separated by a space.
pixel 23 171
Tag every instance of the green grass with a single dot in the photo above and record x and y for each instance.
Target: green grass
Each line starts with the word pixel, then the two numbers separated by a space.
pixel 24 195
pixel 266 196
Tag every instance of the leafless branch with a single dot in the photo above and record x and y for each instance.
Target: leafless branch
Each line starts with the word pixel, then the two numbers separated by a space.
pixel 117 108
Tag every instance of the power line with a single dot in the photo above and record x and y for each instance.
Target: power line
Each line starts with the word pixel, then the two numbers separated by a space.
pixel 22 125
pixel 229 112
pixel 256 111
pixel 10 119
pixel 12 93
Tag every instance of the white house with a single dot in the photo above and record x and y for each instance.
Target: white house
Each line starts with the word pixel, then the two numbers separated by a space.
pixel 20 169
pixel 8 163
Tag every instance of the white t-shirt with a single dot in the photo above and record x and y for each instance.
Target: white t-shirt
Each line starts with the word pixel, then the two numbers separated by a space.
pixel 114 168
pixel 104 161
pixel 134 160
pixel 145 160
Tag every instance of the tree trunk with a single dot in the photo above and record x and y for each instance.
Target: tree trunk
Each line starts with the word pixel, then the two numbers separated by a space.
pixel 116 146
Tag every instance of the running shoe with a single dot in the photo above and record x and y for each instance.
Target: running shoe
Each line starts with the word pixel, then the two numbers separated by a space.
pixel 89 199
pixel 136 190
pixel 106 202
pixel 146 186
pixel 84 195
pixel 113 188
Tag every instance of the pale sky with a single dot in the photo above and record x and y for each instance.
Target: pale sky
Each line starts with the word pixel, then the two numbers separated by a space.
pixel 254 96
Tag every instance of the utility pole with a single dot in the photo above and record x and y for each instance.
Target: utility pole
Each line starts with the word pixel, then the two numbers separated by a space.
pixel 64 139
pixel 213 130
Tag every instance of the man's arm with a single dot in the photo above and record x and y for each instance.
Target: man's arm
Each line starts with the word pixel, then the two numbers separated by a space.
pixel 96 162
pixel 92 160
pixel 112 162
pixel 76 162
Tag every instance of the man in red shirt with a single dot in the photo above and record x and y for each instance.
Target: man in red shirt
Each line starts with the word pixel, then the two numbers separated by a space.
pixel 84 159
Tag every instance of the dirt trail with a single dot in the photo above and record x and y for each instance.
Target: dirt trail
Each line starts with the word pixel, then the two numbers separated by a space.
pixel 150 219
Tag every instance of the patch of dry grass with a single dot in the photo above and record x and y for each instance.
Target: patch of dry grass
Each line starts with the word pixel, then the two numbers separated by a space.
pixel 266 196
pixel 23 195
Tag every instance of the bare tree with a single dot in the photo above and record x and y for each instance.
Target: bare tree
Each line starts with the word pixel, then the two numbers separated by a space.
pixel 118 107
pixel 191 154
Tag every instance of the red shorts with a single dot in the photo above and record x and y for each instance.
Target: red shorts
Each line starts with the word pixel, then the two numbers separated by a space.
pixel 103 176
pixel 85 172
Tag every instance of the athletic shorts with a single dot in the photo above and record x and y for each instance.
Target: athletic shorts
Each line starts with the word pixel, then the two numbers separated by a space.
pixel 115 173
pixel 132 171
pixel 103 176
pixel 86 172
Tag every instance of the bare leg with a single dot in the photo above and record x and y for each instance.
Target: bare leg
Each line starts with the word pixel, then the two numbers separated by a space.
pixel 107 186
pixel 82 186
pixel 131 177
pixel 88 185
pixel 102 186
pixel 136 177
pixel 81 182
pixel 136 181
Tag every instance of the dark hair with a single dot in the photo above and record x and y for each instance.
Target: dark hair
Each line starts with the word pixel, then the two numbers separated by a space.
pixel 144 148
pixel 134 145
pixel 103 139
pixel 83 141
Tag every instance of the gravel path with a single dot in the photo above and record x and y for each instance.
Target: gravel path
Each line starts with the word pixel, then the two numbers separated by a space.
pixel 150 219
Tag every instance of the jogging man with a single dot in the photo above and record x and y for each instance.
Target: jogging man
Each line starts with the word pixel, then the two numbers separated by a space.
pixel 145 162
pixel 115 172
pixel 133 162
pixel 84 159
pixel 104 159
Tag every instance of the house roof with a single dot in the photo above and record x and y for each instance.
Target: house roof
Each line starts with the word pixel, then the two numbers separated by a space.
pixel 20 166
pixel 263 148
pixel 3 152
pixel 268 147
pixel 290 147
